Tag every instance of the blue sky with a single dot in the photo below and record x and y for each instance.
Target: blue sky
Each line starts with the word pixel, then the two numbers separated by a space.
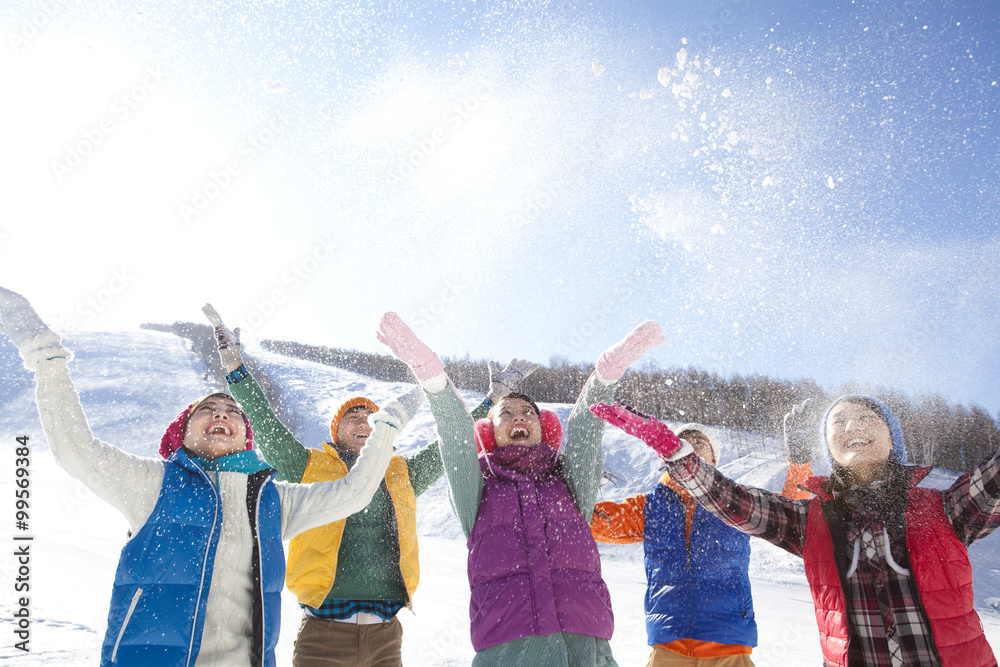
pixel 798 191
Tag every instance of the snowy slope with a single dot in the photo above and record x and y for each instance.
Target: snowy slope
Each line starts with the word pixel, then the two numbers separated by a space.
pixel 132 384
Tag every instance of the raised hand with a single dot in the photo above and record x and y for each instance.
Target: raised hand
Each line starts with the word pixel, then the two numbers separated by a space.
pixel 800 430
pixel 26 330
pixel 18 319
pixel 393 332
pixel 650 430
pixel 613 362
pixel 230 349
pixel 505 380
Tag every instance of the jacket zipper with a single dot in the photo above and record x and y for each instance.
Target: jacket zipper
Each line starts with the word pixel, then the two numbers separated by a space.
pixel 128 615
pixel 260 563
pixel 204 565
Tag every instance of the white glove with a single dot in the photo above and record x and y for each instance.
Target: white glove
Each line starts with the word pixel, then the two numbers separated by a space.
pixel 399 412
pixel 504 381
pixel 33 338
pixel 230 349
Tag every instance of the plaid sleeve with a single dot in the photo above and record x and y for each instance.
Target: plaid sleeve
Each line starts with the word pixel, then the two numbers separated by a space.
pixel 780 521
pixel 972 502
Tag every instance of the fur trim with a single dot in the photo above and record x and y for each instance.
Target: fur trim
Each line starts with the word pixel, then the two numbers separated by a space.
pixel 710 433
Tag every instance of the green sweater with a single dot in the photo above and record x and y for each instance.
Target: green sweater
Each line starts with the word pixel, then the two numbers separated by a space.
pixel 368 561
pixel 582 469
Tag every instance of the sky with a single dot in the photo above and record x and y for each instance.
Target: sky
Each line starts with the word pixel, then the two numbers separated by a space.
pixel 789 189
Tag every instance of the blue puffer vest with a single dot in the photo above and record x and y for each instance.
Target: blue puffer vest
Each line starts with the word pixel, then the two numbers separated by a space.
pixel 705 596
pixel 165 571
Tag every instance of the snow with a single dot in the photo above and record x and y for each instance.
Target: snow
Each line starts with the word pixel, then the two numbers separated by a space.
pixel 133 383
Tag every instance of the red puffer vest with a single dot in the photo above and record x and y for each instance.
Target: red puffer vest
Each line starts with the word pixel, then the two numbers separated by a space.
pixel 940 566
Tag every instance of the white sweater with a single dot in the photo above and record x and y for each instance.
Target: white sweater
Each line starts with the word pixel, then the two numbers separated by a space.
pixel 131 484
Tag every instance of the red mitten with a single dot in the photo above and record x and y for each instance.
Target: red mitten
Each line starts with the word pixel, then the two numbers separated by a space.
pixel 651 431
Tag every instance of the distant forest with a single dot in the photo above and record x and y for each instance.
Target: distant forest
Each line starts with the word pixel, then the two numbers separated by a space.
pixel 937 432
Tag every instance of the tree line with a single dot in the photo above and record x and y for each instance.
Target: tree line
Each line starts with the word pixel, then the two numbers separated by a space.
pixel 937 431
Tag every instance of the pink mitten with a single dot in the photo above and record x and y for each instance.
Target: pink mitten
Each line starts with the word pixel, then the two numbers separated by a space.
pixel 393 332
pixel 651 431
pixel 612 364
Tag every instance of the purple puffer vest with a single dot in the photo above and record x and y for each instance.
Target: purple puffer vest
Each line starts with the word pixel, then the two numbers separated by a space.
pixel 533 564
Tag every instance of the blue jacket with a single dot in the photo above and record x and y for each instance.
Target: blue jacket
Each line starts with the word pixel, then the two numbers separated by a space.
pixel 704 595
pixel 165 571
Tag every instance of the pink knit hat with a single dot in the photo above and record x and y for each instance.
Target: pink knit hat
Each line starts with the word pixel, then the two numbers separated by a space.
pixel 173 437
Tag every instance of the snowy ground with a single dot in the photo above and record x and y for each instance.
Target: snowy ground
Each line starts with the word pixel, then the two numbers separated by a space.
pixel 133 384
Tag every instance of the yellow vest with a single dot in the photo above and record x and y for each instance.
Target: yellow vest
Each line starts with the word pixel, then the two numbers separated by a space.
pixel 312 555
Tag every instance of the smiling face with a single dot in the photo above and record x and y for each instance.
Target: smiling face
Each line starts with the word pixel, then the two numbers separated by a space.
pixel 515 422
pixel 859 440
pixel 216 428
pixel 353 430
pixel 702 447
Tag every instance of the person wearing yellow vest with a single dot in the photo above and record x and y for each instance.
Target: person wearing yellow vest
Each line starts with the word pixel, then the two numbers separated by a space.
pixel 351 577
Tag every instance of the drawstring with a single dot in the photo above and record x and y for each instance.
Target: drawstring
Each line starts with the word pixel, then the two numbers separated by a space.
pixel 854 559
pixel 888 556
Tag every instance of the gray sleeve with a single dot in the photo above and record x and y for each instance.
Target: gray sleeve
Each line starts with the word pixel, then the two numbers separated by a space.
pixel 458 453
pixel 582 458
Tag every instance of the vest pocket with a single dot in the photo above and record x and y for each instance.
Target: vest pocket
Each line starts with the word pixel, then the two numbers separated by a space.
pixel 128 615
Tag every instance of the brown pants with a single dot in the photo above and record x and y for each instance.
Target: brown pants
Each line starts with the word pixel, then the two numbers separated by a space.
pixel 323 643
pixel 661 657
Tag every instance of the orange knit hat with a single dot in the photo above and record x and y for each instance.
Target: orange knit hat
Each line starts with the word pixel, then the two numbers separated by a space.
pixel 353 402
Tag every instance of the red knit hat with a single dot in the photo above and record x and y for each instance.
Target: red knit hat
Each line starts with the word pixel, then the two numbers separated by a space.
pixel 486 442
pixel 173 437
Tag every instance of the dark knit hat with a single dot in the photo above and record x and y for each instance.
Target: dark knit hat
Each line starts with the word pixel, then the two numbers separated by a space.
pixel 344 408
pixel 173 437
pixel 880 409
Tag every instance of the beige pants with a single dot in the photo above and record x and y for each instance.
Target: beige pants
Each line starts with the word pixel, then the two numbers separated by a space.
pixel 661 657
pixel 323 643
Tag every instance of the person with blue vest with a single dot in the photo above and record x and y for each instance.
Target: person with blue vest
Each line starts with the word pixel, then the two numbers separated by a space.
pixel 699 611
pixel 199 581
pixel 886 559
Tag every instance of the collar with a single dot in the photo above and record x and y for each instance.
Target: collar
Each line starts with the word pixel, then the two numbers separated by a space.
pixel 821 486
pixel 666 481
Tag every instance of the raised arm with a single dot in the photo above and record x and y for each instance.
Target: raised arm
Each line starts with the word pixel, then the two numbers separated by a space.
pixel 454 423
pixel 972 502
pixel 800 428
pixel 305 506
pixel 582 459
pixel 276 443
pixel 619 522
pixel 757 512
pixel 426 466
pixel 131 484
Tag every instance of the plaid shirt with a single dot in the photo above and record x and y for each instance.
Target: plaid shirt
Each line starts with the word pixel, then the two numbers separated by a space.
pixel 890 625
pixel 341 609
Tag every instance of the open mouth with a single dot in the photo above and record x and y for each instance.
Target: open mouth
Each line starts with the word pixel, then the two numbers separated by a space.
pixel 519 433
pixel 219 428
pixel 856 444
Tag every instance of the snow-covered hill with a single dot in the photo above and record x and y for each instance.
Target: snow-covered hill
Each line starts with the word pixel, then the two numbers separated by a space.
pixel 132 384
